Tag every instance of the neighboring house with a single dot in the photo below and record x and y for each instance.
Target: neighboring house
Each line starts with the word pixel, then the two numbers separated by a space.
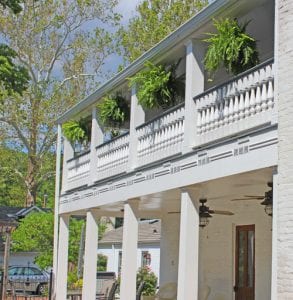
pixel 148 249
pixel 230 138
pixel 8 214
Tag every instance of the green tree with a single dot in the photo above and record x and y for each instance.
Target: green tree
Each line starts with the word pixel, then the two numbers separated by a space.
pixel 14 5
pixel 63 45
pixel 12 189
pixel 36 233
pixel 154 21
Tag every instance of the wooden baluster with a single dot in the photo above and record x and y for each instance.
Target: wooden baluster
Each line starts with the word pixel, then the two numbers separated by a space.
pixel 207 118
pixel 221 113
pixel 203 119
pixel 264 97
pixel 236 108
pixel 217 115
pixel 230 110
pixel 241 106
pixel 252 101
pixel 246 103
pixel 226 112
pixel 270 94
pixel 199 118
pixel 212 117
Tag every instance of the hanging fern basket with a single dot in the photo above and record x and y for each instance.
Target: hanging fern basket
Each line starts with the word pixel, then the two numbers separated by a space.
pixel 158 86
pixel 230 47
pixel 114 112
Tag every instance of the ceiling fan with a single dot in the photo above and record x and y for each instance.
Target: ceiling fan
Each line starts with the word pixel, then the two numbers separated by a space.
pixel 267 199
pixel 205 213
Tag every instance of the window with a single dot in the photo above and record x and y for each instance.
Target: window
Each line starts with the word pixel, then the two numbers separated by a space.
pixel 145 258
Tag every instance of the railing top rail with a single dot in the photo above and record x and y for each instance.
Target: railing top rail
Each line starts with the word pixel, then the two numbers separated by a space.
pixel 212 89
pixel 166 112
pixel 79 155
pixel 114 139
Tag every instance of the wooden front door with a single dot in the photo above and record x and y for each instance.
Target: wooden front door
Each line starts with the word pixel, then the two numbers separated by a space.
pixel 245 262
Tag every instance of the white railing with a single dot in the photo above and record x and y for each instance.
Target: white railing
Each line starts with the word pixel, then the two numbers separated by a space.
pixel 78 170
pixel 245 102
pixel 161 137
pixel 113 157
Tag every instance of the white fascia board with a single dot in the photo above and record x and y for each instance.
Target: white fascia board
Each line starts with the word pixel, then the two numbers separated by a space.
pixel 172 39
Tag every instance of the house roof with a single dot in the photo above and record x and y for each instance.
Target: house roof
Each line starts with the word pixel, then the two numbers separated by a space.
pixel 148 232
pixel 179 35
pixel 10 214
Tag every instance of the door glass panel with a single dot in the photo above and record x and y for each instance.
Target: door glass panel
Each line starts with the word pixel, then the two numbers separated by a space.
pixel 250 253
pixel 241 259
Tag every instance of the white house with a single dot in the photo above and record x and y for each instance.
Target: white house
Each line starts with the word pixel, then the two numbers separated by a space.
pixel 148 247
pixel 230 138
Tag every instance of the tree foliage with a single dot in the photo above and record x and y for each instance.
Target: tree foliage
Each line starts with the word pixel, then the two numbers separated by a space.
pixel 154 21
pixel 230 47
pixel 63 45
pixel 13 78
pixel 36 233
pixel 12 189
pixel 14 5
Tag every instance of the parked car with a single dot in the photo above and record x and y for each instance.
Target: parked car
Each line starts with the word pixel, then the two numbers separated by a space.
pixel 27 279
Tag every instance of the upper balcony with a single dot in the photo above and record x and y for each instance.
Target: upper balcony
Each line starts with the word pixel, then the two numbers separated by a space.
pixel 212 112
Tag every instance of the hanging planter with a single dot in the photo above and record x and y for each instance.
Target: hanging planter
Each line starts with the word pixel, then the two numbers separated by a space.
pixel 77 132
pixel 113 112
pixel 230 47
pixel 158 86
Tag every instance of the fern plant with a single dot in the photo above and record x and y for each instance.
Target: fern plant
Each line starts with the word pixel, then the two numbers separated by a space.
pixel 76 131
pixel 157 86
pixel 230 47
pixel 113 111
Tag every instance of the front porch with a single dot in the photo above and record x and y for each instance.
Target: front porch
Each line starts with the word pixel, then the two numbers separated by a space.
pixel 201 261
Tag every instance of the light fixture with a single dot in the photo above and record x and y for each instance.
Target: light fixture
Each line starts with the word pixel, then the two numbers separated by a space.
pixel 204 215
pixel 268 203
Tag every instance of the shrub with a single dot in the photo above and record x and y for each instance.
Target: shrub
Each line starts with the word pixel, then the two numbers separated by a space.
pixel 150 279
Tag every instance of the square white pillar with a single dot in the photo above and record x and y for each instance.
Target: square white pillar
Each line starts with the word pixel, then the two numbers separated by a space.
pixel 137 117
pixel 129 254
pixel 68 153
pixel 97 138
pixel 62 268
pixel 56 209
pixel 90 257
pixel 194 85
pixel 188 249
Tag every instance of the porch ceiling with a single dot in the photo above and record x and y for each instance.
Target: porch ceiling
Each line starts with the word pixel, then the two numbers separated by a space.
pixel 216 191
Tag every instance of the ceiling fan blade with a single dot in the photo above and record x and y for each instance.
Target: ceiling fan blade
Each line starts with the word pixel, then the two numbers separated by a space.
pixel 240 199
pixel 253 196
pixel 173 212
pixel 221 212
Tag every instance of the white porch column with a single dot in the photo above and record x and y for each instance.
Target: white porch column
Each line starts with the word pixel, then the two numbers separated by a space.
pixel 188 249
pixel 137 117
pixel 169 248
pixel 129 253
pixel 62 267
pixel 97 137
pixel 90 257
pixel 194 85
pixel 68 153
pixel 56 206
